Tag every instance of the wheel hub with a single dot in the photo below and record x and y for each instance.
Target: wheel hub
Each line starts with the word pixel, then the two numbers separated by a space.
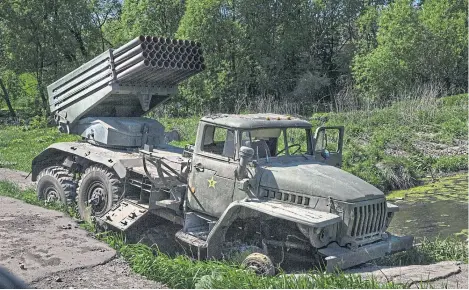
pixel 51 195
pixel 97 197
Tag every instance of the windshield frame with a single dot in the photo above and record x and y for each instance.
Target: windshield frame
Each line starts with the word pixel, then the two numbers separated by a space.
pixel 309 141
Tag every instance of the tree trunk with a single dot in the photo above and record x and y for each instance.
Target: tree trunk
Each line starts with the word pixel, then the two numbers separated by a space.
pixel 6 97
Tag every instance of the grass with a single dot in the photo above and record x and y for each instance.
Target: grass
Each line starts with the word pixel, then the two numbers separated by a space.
pixel 20 144
pixel 394 147
pixel 183 272
pixel 429 252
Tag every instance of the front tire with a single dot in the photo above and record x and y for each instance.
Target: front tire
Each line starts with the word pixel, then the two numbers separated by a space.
pixel 55 184
pixel 261 264
pixel 99 188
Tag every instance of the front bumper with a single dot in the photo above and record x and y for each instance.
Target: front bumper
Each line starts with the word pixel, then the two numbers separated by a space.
pixel 342 258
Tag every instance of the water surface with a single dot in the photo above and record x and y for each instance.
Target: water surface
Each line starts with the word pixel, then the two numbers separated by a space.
pixel 436 209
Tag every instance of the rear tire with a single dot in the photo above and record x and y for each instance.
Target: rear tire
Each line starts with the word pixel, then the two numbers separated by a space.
pixel 55 184
pixel 102 187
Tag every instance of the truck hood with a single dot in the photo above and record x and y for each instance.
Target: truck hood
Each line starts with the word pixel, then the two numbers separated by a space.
pixel 317 179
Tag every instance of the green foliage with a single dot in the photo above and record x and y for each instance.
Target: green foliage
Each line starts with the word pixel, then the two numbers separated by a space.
pixel 254 51
pixel 413 45
pixel 255 55
pixel 451 163
pixel 47 39
pixel 148 17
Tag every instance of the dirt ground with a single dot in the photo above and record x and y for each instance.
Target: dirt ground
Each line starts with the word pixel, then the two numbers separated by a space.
pixel 447 275
pixel 114 274
pixel 19 177
pixel 47 250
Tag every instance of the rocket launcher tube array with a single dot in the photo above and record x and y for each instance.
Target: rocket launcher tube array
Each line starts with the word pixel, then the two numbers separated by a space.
pixel 144 61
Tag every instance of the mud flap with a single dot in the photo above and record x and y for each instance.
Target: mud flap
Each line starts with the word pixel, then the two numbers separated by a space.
pixel 342 258
pixel 124 215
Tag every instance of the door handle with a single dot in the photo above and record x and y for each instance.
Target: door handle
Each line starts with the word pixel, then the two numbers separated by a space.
pixel 199 167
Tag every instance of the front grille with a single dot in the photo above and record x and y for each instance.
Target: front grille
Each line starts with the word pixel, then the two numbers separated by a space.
pixel 368 219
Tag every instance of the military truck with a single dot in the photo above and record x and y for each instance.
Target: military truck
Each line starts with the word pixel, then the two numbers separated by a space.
pixel 264 182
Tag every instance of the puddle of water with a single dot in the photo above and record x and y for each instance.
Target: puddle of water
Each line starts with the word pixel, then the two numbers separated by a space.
pixel 427 219
pixel 437 209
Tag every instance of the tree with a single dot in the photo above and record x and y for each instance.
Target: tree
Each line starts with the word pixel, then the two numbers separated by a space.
pixel 285 50
pixel 149 17
pixel 46 38
pixel 6 97
pixel 103 12
pixel 414 45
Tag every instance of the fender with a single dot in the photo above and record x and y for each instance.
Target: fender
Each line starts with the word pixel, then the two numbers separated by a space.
pixel 302 215
pixel 118 160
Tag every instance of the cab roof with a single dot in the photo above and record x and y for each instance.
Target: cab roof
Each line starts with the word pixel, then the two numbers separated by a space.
pixel 255 121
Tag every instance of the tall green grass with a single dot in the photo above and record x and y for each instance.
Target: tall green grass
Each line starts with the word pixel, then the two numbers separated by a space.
pixel 183 272
pixel 429 252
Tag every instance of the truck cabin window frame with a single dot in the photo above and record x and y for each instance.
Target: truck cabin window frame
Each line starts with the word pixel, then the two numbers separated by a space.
pixel 219 141
pixel 271 142
pixel 328 139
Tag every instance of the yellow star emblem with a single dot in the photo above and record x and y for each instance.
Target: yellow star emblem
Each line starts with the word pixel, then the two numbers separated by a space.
pixel 211 182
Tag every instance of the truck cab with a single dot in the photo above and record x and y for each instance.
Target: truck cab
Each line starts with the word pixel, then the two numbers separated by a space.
pixel 275 139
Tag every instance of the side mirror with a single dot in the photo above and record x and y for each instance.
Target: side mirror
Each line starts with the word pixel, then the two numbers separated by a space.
pixel 325 154
pixel 245 156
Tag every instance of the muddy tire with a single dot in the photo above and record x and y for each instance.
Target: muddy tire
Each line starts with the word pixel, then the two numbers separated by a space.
pixel 260 264
pixel 98 189
pixel 55 184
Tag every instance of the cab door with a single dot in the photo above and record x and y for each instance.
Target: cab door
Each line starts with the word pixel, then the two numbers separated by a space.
pixel 328 145
pixel 212 177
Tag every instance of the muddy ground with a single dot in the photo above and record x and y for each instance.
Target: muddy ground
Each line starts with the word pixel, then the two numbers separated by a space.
pixel 47 249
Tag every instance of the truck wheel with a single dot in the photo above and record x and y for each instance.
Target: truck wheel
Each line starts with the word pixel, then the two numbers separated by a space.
pixel 260 263
pixel 98 188
pixel 55 184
